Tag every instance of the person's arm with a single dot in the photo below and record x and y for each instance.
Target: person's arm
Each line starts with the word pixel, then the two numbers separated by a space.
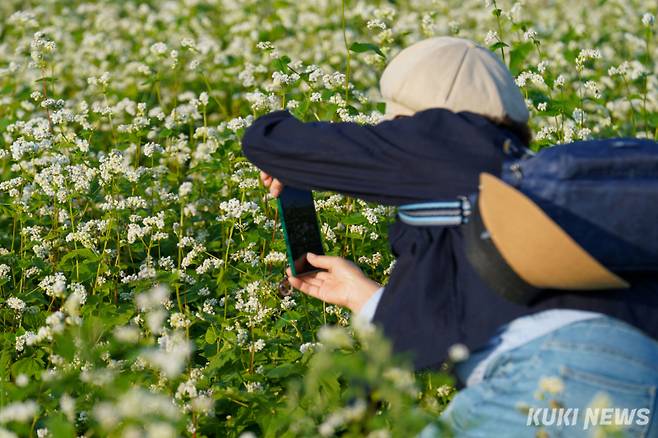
pixel 430 154
pixel 367 311
pixel 343 157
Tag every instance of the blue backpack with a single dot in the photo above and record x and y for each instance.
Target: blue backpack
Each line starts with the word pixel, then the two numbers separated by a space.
pixel 603 193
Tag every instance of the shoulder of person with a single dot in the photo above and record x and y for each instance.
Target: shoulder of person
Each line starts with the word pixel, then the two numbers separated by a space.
pixel 440 117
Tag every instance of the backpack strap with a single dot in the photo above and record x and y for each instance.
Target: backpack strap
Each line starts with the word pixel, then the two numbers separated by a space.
pixel 492 268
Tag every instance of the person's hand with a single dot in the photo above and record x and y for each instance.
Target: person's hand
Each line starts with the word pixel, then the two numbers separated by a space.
pixel 273 184
pixel 343 283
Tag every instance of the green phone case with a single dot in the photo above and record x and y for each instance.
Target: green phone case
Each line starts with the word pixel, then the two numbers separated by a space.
pixel 291 262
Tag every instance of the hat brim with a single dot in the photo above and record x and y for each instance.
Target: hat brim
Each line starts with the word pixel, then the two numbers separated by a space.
pixel 534 246
pixel 394 109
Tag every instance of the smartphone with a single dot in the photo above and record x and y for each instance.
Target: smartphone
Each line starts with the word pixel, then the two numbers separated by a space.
pixel 300 229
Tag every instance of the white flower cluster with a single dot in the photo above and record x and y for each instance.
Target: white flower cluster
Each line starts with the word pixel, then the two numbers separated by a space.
pixel 372 261
pixel 348 414
pixel 54 325
pixel 152 226
pixel 585 55
pixel 137 404
pixel 309 346
pixel 236 209
pixel 275 257
pixel 404 380
pixel 171 355
pixel 247 301
pixel 54 285
pixel 208 265
pixel 631 69
pixel 16 304
pixel 193 399
pixel 528 76
pixel 263 102
pixel 179 321
pixel 20 412
pixel 5 270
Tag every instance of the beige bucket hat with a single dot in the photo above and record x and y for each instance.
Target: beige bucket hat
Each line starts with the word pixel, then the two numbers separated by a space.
pixel 451 73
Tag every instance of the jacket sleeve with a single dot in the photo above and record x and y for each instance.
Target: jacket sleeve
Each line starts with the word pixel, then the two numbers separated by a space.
pixel 344 157
pixel 394 162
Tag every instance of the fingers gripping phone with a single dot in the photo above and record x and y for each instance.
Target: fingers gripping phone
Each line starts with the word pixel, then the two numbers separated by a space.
pixel 300 229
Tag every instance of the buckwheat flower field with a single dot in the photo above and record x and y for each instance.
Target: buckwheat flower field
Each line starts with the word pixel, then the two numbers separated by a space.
pixel 140 258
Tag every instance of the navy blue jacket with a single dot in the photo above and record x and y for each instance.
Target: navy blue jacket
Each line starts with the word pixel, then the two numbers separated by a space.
pixel 434 299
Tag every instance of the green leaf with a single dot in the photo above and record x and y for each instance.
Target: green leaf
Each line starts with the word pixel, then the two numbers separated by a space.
pixel 46 79
pixel 284 370
pixel 354 218
pixel 498 45
pixel 281 63
pixel 81 254
pixel 211 335
pixel 518 55
pixel 366 47
pixel 28 366
pixel 58 426
pixel 219 360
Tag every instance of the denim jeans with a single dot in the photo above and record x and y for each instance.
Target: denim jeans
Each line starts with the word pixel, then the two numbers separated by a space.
pixel 596 377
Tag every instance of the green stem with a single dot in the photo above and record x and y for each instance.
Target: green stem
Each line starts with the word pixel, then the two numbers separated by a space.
pixel 75 243
pixel 497 13
pixel 347 49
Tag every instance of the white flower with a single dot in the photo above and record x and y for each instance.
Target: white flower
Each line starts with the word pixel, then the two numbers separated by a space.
pixel 585 55
pixel 150 148
pixel 578 115
pixel 593 88
pixel 560 81
pixel 275 257
pixel 171 355
pixel 16 303
pixel 309 346
pixel 648 19
pixel 153 298
pixel 22 380
pixel 202 404
pixel 20 412
pixel 178 320
pixel 491 38
pixel 458 352
pixel 185 189
pixel 203 98
pixel 159 49
pixel 333 336
pixel 253 386
pixel 126 334
pixel 54 285
pixel 288 303
pixel 265 45
pixel 257 345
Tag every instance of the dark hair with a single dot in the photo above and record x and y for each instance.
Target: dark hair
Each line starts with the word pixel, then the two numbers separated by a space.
pixel 521 130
